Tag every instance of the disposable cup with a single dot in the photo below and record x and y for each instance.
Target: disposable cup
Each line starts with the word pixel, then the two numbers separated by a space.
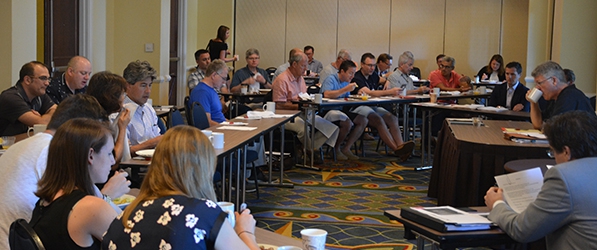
pixel 313 239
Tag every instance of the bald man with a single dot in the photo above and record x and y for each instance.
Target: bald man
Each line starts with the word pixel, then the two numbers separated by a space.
pixel 72 81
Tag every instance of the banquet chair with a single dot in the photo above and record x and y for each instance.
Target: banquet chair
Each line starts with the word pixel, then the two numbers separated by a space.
pixel 198 116
pixel 162 126
pixel 22 236
pixel 175 118
pixel 271 71
pixel 187 108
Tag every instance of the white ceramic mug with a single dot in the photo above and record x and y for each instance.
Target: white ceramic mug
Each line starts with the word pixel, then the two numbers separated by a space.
pixel 228 207
pixel 243 89
pixel 318 98
pixel 436 90
pixel 270 106
pixel 208 134
pixel 218 140
pixel 534 95
pixel 482 90
pixel 313 239
pixel 37 128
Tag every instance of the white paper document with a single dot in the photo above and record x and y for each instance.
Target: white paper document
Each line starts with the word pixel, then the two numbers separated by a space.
pixel 521 188
pixel 241 128
pixel 451 215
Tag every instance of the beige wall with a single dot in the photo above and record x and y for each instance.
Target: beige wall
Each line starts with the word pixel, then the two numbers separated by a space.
pixel 574 40
pixel 469 30
pixel 208 16
pixel 6 72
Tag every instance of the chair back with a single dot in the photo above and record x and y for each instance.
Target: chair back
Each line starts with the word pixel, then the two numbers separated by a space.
pixel 187 108
pixel 313 89
pixel 175 118
pixel 22 236
pixel 162 126
pixel 271 71
pixel 199 117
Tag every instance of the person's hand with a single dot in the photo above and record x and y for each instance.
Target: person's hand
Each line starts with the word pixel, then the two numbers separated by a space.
pixel 484 76
pixel 463 89
pixel 526 96
pixel 423 89
pixel 493 194
pixel 518 107
pixel 117 185
pixel 124 119
pixel 244 222
pixel 350 87
pixel 395 91
pixel 249 81
pixel 364 90
pixel 260 79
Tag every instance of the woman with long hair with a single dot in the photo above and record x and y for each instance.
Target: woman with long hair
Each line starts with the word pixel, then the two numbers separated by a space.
pixel 494 71
pixel 68 215
pixel 176 206
pixel 218 48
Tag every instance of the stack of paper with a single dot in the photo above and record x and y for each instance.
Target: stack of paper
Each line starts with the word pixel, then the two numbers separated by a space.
pixel 446 218
pixel 520 188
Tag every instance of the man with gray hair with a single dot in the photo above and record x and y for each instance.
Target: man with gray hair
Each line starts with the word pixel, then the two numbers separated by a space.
pixel 251 75
pixel 285 66
pixel 332 68
pixel 445 78
pixel 143 131
pixel 286 89
pixel 206 95
pixel 401 79
pixel 551 80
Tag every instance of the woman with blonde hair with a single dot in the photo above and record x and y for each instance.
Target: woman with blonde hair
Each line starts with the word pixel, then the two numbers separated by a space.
pixel 176 206
pixel 68 215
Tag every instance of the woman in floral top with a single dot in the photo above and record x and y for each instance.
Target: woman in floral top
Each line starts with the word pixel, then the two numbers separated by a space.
pixel 175 208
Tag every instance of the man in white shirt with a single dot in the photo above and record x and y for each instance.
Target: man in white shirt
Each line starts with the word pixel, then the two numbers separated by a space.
pixel 143 131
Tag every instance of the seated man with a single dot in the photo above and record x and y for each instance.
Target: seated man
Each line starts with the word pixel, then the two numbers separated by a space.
pixel 512 94
pixel 24 163
pixel 251 76
pixel 205 93
pixel 381 119
pixel 285 66
pixel 384 63
pixel 445 78
pixel 401 79
pixel 202 59
pixel 73 80
pixel 26 103
pixel 339 86
pixel 315 66
pixel 286 89
pixel 332 68
pixel 564 210
pixel 551 80
pixel 143 131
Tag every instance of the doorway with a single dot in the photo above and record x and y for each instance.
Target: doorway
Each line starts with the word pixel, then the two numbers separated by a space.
pixel 61 33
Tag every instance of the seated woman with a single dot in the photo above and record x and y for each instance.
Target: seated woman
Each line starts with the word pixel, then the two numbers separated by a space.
pixel 176 206
pixel 494 71
pixel 68 215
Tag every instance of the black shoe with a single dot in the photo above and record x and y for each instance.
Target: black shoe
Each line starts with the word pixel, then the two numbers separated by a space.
pixel 249 187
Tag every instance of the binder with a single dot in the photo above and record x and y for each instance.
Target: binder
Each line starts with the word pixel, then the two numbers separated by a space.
pixel 438 224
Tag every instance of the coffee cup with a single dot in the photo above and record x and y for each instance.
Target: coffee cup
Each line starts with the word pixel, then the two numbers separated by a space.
pixel 313 239
pixel 218 140
pixel 289 248
pixel 208 134
pixel 534 95
pixel 228 207
pixel 318 98
pixel 270 106
pixel 37 128
pixel 433 97
pixel 482 90
pixel 477 121
pixel 244 88
pixel 308 72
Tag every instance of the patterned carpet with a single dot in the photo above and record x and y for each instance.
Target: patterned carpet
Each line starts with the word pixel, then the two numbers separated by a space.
pixel 347 199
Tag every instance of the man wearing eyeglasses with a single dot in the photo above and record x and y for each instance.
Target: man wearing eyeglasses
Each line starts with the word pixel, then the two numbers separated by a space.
pixel 384 63
pixel 445 78
pixel 564 210
pixel 251 76
pixel 205 94
pixel 26 103
pixel 73 81
pixel 551 80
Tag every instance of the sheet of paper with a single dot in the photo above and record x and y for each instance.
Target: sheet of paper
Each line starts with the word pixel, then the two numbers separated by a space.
pixel 241 128
pixel 520 188
pixel 452 215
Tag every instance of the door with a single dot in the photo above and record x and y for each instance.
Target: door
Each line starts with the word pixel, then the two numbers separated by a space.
pixel 174 58
pixel 61 33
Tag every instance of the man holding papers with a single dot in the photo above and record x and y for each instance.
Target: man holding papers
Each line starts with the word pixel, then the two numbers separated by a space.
pixel 564 210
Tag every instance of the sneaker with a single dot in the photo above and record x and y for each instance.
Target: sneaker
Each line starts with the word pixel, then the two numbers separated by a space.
pixel 350 155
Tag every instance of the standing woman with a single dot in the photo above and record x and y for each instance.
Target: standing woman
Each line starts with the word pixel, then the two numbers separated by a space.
pixel 218 49
pixel 494 71
pixel 176 206
pixel 68 215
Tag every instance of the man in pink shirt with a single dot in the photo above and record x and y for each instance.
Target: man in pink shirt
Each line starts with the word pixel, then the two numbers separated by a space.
pixel 445 78
pixel 286 88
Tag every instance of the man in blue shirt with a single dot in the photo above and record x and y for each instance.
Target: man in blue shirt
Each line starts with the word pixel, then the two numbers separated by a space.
pixel 205 94
pixel 338 86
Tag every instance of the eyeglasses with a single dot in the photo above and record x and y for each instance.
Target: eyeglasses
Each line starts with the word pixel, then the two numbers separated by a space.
pixel 541 82
pixel 223 77
pixel 369 65
pixel 551 153
pixel 43 78
pixel 441 66
pixel 252 58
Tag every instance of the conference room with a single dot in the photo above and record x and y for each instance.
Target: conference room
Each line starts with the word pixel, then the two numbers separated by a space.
pixel 529 32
